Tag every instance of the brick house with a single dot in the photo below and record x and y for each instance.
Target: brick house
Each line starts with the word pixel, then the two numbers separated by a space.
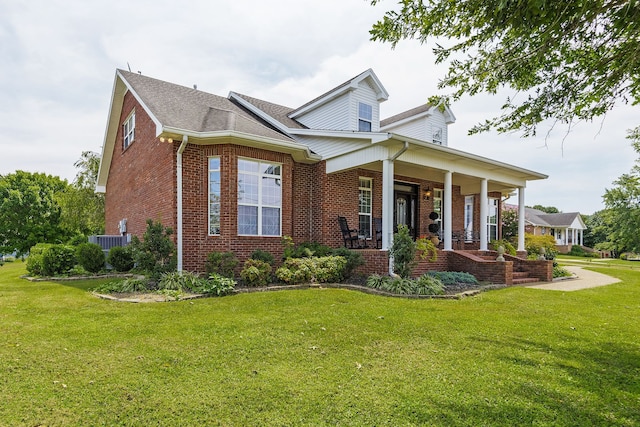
pixel 238 173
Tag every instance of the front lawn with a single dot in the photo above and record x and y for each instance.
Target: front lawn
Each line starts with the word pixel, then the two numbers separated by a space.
pixel 316 357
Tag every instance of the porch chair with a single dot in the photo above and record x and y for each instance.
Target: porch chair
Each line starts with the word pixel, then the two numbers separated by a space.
pixel 377 232
pixel 349 235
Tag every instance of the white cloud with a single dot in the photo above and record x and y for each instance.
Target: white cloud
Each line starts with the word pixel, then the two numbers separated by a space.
pixel 60 57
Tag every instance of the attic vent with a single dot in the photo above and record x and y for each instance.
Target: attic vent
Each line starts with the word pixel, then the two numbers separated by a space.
pixel 437 135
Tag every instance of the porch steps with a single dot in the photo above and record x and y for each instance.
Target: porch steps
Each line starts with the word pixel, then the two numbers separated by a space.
pixel 519 277
pixel 522 277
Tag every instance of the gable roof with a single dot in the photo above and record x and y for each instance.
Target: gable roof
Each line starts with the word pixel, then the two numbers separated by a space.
pixel 558 220
pixel 416 112
pixel 182 108
pixel 351 84
pixel 268 111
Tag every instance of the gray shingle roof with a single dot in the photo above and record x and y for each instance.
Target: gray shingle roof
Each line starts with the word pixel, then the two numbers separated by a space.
pixel 278 112
pixel 194 110
pixel 537 217
pixel 405 115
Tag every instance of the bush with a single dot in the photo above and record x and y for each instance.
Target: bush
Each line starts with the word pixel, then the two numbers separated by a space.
pixel 353 260
pixel 312 270
pixel 507 245
pixel 449 278
pixel 121 258
pixel 223 263
pixel 155 254
pixel 183 281
pixel 309 249
pixel 424 285
pixel 123 286
pixel 560 272
pixel 265 256
pixel 534 244
pixel 58 259
pixel 403 252
pixel 256 273
pixel 35 265
pixel 218 285
pixel 90 257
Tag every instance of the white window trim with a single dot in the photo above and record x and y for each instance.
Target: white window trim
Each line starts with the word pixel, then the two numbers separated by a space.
pixel 468 218
pixel 492 204
pixel 219 170
pixel 129 130
pixel 370 214
pixel 260 205
pixel 365 119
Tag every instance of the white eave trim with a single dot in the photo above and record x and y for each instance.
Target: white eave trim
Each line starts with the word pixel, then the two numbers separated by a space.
pixel 427 113
pixel 302 152
pixel 374 137
pixel 141 102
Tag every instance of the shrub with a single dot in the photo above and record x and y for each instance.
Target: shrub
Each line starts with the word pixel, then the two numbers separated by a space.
pixel 77 240
pixel 123 286
pixel 223 263
pixel 180 281
pixel 35 265
pixel 560 272
pixel 424 285
pixel 256 272
pixel 121 258
pixel 309 249
pixel 449 278
pixel 218 285
pixel 428 285
pixel 403 252
pixel 155 254
pixel 58 259
pixel 353 260
pixel 309 270
pixel 90 257
pixel 265 256
pixel 534 244
pixel 507 245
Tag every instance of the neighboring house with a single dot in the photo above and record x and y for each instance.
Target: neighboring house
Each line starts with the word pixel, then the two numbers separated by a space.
pixel 566 228
pixel 238 173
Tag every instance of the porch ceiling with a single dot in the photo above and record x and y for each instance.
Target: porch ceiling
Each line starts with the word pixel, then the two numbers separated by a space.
pixel 430 162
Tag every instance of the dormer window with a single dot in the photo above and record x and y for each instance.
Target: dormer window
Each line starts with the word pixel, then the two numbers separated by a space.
pixel 365 116
pixel 129 130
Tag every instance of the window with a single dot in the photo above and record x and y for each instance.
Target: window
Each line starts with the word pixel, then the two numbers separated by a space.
pixel 259 198
pixel 365 117
pixel 364 207
pixel 437 207
pixel 214 196
pixel 468 218
pixel 129 130
pixel 492 219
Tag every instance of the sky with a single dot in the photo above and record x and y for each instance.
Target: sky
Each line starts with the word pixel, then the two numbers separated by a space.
pixel 60 57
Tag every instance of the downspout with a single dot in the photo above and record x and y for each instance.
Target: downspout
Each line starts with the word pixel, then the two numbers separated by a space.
pixel 179 225
pixel 388 202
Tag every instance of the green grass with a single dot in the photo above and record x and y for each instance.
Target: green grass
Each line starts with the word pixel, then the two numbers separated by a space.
pixel 319 357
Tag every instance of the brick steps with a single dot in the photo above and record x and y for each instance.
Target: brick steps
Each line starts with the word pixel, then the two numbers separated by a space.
pixel 522 277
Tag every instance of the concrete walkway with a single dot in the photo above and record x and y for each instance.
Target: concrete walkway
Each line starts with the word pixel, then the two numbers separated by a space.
pixel 584 279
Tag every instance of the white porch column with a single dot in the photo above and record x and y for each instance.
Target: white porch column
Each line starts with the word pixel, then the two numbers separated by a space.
pixel 521 219
pixel 446 210
pixel 387 204
pixel 484 207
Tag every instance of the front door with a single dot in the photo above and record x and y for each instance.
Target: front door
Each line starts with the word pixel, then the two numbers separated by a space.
pixel 406 207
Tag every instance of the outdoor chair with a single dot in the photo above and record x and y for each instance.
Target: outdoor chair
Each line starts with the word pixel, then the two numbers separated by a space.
pixel 377 232
pixel 349 235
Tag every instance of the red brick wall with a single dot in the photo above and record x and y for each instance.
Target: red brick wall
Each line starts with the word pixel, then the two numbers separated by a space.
pixel 142 178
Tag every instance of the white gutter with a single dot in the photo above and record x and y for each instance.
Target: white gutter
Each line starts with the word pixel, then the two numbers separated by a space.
pixel 387 202
pixel 179 225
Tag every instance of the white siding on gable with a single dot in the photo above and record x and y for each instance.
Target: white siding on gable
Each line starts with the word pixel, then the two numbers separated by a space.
pixel 437 120
pixel 366 95
pixel 423 128
pixel 334 115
